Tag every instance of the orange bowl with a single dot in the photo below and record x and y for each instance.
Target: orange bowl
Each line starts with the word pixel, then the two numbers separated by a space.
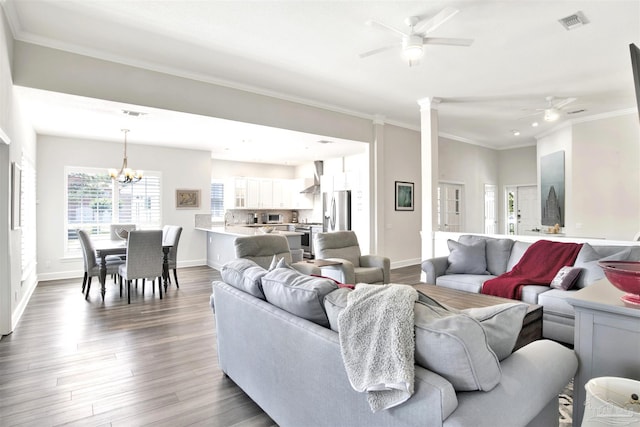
pixel 624 275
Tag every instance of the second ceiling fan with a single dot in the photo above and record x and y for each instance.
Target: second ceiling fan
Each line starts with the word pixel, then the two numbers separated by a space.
pixel 413 41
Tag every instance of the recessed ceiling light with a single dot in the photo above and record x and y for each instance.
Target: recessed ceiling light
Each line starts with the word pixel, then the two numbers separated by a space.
pixel 534 124
pixel 515 132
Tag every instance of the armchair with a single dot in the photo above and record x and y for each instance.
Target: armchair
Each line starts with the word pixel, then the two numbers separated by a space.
pixel 262 247
pixel 355 268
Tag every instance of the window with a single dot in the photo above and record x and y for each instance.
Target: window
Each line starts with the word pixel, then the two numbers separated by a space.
pixel 217 200
pixel 94 201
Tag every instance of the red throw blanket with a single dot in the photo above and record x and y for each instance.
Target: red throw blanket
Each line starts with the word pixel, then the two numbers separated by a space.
pixel 538 266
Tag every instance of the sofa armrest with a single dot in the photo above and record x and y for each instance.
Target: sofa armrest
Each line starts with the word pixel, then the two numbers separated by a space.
pixel 529 382
pixel 343 273
pixel 378 261
pixel 434 268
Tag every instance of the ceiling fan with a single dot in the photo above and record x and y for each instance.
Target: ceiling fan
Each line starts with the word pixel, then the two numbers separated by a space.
pixel 554 108
pixel 413 41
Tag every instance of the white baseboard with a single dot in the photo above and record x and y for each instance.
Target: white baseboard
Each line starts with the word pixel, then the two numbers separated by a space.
pixel 406 263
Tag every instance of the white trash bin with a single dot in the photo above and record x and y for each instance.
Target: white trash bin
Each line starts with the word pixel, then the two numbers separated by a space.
pixel 611 401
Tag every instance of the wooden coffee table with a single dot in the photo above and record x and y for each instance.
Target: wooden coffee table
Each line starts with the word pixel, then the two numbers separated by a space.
pixel 531 325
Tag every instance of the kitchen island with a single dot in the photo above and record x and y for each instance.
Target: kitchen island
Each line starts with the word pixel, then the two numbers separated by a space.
pixel 220 241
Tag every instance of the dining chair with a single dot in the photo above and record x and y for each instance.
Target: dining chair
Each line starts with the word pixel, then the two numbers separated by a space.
pixel 91 266
pixel 118 229
pixel 171 236
pixel 144 260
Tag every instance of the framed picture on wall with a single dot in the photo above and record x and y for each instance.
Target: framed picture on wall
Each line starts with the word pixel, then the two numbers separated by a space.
pixel 404 196
pixel 187 199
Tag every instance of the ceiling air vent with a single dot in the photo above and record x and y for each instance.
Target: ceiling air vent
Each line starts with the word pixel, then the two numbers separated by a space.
pixel 574 21
pixel 133 113
pixel 576 111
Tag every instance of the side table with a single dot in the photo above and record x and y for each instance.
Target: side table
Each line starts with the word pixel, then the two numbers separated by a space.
pixel 606 339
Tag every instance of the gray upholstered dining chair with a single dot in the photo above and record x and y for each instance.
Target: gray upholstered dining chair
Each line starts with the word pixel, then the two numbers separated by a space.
pixel 171 236
pixel 261 249
pixel 144 259
pixel 91 266
pixel 116 230
pixel 355 268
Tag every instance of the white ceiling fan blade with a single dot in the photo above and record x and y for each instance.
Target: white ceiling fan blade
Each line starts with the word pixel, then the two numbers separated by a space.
pixel 429 25
pixel 563 102
pixel 447 41
pixel 372 23
pixel 380 49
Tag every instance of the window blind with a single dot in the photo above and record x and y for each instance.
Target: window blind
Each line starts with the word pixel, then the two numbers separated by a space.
pixel 217 200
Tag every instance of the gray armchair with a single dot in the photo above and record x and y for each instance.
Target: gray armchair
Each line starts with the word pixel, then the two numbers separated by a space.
pixel 355 268
pixel 262 247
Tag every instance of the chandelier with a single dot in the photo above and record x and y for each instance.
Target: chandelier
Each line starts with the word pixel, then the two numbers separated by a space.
pixel 125 175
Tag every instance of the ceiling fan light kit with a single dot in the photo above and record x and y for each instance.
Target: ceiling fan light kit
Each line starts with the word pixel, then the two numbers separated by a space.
pixel 413 41
pixel 551 115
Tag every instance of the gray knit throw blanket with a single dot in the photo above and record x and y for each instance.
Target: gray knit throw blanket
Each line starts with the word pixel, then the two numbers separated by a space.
pixel 376 332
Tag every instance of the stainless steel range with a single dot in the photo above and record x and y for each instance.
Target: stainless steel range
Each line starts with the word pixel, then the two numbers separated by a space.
pixel 306 240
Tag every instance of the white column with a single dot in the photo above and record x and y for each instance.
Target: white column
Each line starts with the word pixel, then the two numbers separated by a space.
pixel 429 166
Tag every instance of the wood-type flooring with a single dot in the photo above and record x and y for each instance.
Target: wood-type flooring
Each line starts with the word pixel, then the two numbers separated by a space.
pixel 78 362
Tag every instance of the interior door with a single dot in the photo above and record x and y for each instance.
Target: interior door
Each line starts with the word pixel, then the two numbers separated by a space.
pixel 450 207
pixel 527 208
pixel 490 217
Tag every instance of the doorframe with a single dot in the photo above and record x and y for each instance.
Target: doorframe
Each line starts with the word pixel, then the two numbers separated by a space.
pixel 505 210
pixel 463 195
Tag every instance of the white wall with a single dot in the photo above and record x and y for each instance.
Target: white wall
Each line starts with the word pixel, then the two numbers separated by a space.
pixel 15 287
pixel 472 166
pixel 517 166
pixel 185 169
pixel 605 178
pixel 402 228
pixel 221 169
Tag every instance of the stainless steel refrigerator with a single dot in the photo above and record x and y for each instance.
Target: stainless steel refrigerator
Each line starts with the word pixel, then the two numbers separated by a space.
pixel 336 208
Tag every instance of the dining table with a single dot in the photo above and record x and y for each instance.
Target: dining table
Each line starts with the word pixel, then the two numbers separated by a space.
pixel 105 248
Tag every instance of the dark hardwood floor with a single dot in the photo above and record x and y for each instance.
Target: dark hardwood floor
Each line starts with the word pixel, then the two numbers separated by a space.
pixel 91 363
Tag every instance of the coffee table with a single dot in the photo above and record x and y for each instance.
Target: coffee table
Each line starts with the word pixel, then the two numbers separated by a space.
pixel 531 325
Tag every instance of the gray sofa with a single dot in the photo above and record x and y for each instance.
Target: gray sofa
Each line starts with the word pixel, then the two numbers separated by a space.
pixel 288 360
pixel 502 254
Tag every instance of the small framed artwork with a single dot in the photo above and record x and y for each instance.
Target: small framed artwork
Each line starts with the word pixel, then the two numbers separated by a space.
pixel 404 196
pixel 16 196
pixel 187 199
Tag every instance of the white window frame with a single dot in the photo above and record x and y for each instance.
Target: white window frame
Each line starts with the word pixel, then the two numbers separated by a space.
pixel 75 251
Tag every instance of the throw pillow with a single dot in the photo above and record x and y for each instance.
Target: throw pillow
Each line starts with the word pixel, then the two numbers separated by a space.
pixel 334 303
pixel 498 251
pixel 588 261
pixel 467 259
pixel 454 345
pixel 245 275
pixel 566 278
pixel 502 323
pixel 298 293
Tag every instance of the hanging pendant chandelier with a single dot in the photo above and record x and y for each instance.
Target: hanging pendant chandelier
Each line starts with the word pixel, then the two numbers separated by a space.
pixel 125 175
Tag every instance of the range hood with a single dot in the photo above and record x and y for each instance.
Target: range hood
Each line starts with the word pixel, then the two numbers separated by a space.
pixel 317 173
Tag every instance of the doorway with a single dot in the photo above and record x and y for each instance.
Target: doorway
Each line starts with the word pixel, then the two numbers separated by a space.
pixel 521 209
pixel 450 207
pixel 490 219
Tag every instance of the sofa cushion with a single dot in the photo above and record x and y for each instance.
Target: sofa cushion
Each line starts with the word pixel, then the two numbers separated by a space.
pixel 555 302
pixel 566 278
pixel 463 282
pixel 502 323
pixel 588 259
pixel 531 293
pixel 498 251
pixel 518 249
pixel 467 259
pixel 298 294
pixel 245 275
pixel 455 346
pixel 334 303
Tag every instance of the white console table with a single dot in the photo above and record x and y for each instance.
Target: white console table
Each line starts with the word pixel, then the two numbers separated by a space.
pixel 607 339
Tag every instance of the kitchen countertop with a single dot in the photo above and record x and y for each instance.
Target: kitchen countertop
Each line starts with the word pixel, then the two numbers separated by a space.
pixel 244 230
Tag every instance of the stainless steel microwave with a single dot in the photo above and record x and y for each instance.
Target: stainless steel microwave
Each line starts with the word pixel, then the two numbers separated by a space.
pixel 272 218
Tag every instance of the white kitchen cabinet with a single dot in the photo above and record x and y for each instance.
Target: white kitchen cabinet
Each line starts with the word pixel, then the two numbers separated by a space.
pixel 301 200
pixel 282 194
pixel 266 193
pixel 253 193
pixel 235 193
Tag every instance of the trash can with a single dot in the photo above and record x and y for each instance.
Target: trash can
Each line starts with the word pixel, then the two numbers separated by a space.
pixel 611 401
